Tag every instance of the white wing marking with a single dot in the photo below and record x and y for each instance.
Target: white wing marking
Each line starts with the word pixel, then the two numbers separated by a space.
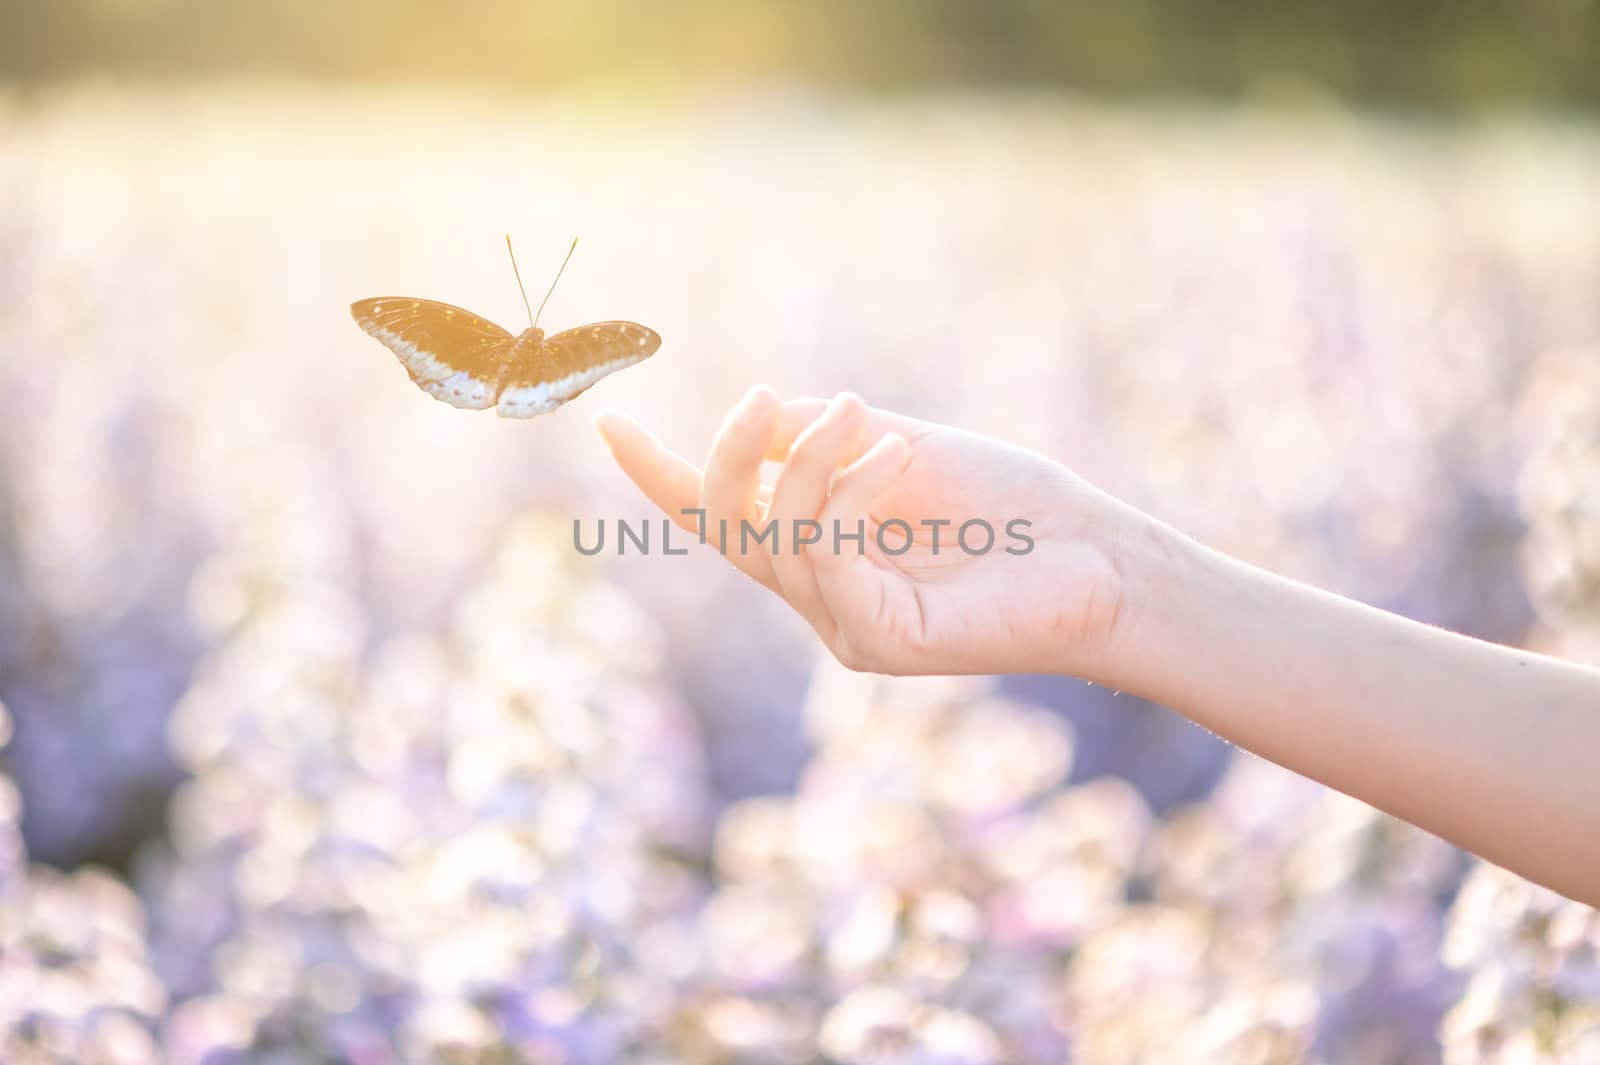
pixel 526 401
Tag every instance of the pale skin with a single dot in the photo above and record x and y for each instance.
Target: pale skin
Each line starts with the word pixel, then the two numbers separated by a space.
pixel 1492 748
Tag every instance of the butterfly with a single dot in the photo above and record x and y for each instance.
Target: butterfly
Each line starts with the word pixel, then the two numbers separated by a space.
pixel 467 361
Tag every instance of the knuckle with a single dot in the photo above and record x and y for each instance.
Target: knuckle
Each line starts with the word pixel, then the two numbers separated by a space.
pixel 857 656
pixel 849 655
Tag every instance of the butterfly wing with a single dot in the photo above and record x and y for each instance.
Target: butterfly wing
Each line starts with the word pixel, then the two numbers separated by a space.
pixel 570 362
pixel 452 354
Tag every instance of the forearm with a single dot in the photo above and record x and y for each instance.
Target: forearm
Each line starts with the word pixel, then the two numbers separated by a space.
pixel 1495 749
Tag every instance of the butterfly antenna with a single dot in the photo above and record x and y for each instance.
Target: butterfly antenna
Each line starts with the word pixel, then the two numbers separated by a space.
pixel 524 291
pixel 553 283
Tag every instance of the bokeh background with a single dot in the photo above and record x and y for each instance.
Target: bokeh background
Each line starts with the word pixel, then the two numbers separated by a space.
pixel 324 744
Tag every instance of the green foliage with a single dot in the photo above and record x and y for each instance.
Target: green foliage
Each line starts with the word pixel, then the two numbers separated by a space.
pixel 1430 54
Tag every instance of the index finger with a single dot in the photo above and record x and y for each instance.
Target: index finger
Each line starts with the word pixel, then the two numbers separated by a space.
pixel 667 479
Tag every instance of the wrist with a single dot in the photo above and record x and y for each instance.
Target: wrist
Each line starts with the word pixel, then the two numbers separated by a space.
pixel 1160 574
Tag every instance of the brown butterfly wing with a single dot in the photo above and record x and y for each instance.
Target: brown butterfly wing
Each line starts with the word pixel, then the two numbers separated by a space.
pixel 452 354
pixel 570 362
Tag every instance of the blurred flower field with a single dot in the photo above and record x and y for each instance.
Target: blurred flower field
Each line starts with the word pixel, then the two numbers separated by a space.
pixel 352 758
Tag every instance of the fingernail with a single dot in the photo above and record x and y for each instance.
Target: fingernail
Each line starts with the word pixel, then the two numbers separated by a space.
pixel 750 404
pixel 613 424
pixel 840 404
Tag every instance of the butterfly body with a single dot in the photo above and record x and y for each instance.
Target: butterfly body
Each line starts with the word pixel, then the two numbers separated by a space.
pixel 468 361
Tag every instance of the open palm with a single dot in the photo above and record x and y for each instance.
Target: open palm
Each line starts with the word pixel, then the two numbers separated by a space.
pixel 977 556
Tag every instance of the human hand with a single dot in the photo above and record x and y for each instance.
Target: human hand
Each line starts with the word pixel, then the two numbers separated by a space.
pixel 1420 722
pixel 1045 595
